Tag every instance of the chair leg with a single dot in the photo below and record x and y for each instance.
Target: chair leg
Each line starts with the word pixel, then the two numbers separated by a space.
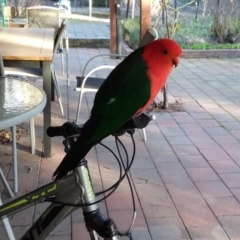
pixel 79 106
pixel 5 184
pixel 144 134
pixel 57 91
pixel 33 137
pixel 62 55
pixel 7 226
pixel 14 154
pixel 62 63
pixel 67 58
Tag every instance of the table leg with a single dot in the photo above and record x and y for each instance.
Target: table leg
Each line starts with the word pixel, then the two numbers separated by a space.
pixel 15 163
pixel 47 109
pixel 52 89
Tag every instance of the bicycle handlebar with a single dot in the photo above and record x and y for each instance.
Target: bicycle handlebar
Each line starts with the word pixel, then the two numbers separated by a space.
pixel 70 128
pixel 66 130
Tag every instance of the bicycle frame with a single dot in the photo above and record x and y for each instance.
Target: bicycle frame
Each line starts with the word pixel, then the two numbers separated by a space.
pixel 75 188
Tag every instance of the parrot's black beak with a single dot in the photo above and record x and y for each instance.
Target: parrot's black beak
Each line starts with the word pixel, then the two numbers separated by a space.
pixel 175 62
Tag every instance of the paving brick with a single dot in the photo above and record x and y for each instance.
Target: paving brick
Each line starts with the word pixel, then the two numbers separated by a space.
pixel 208 123
pixel 216 131
pixel 151 190
pixel 224 206
pixel 183 150
pixel 193 161
pixel 186 200
pixel 121 201
pixel 236 193
pixel 213 189
pixel 215 154
pixel 146 176
pixel 192 128
pixel 231 225
pixel 179 140
pixel 163 123
pixel 198 217
pixel 225 166
pixel 231 125
pixel 123 219
pixel 167 228
pixel 232 148
pixel 143 162
pixel 180 183
pixel 170 168
pixel 64 237
pixel 232 180
pixel 141 234
pixel 79 231
pixel 158 145
pixel 235 157
pixel 235 133
pixel 159 207
pixel 202 174
pixel 173 131
pixel 213 233
pixel 163 156
pixel 64 228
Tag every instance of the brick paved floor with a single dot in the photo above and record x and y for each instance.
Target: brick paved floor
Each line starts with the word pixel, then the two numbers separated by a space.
pixel 186 176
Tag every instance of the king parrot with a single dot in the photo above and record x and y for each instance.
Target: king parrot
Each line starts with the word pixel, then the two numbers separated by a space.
pixel 128 90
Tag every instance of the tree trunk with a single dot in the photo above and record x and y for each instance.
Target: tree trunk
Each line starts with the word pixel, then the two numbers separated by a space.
pixel 165 97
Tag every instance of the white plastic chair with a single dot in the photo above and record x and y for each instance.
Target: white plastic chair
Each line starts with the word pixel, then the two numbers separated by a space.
pixel 51 17
pixel 85 83
pixel 45 17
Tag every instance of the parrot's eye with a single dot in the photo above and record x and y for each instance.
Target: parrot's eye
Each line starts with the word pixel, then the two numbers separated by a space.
pixel 165 52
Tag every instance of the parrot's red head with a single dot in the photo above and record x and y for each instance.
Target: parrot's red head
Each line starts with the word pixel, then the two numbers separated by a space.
pixel 160 56
pixel 163 53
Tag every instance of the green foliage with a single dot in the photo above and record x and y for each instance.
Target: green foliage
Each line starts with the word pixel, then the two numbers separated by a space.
pixel 131 32
pixel 208 46
pixel 235 27
pixel 99 3
pixel 194 34
pixel 197 27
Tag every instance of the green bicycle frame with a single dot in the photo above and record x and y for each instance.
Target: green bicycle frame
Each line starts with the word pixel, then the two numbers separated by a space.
pixel 75 188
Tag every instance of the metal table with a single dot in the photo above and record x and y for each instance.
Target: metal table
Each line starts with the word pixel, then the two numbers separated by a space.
pixel 19 102
pixel 31 47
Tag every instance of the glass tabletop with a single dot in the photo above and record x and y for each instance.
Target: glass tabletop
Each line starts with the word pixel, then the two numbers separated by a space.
pixel 19 101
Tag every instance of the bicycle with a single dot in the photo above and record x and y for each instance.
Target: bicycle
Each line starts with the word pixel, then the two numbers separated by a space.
pixel 79 192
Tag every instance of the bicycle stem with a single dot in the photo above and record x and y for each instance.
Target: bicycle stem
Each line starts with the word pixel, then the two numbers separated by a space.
pixel 94 220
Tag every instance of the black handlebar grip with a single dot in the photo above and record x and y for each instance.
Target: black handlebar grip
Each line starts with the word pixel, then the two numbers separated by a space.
pixel 55 131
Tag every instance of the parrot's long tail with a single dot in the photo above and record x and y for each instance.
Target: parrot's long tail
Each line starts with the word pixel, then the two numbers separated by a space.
pixel 71 159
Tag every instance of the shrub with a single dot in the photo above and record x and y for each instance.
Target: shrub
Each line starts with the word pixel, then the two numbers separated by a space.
pixel 131 32
pixel 99 3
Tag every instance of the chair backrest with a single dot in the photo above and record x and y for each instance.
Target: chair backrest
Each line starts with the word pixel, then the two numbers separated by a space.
pixel 2 72
pixel 43 17
pixel 59 34
pixel 150 35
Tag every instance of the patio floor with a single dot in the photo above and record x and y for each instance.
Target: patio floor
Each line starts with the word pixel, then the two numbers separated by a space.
pixel 186 176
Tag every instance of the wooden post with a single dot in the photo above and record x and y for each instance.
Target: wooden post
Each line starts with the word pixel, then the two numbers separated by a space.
pixel 145 16
pixel 113 26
